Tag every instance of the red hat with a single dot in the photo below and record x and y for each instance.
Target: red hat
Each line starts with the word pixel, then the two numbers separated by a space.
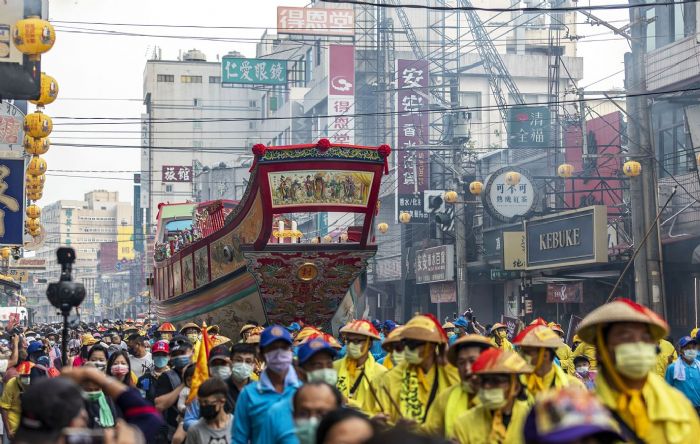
pixel 160 347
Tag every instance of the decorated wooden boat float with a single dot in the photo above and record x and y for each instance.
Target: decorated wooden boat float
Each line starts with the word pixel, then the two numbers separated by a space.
pixel 228 262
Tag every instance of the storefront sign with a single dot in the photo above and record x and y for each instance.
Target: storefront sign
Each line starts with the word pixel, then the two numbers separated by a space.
pixel 388 269
pixel 315 21
pixel 512 326
pixel 413 120
pixel 503 275
pixel 29 263
pixel 568 238
pixel 176 173
pixel 506 201
pixel 443 293
pixel 529 127
pixel 243 71
pixel 565 293
pixel 514 251
pixel 435 264
pixel 11 201
pixel 11 127
pixel 341 94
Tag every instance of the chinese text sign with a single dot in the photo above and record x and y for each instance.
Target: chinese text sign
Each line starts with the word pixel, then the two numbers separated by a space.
pixel 11 201
pixel 315 21
pixel 529 127
pixel 341 94
pixel 176 173
pixel 413 131
pixel 253 71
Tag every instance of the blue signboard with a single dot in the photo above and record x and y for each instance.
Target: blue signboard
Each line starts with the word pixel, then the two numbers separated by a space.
pixel 11 201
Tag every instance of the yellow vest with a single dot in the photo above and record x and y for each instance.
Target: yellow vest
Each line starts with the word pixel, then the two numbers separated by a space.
pixel 474 425
pixel 404 395
pixel 564 354
pixel 447 407
pixel 555 379
pixel 671 416
pixel 505 344
pixel 363 397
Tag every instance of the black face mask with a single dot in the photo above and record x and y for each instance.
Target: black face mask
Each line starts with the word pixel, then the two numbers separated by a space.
pixel 208 411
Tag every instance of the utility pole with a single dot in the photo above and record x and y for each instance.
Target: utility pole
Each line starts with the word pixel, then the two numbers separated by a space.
pixel 643 191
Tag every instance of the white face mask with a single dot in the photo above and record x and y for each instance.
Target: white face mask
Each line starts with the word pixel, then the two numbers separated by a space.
pixel 327 375
pixel 583 371
pixel 635 359
pixel 493 398
pixel 240 371
pixel 413 356
pixel 354 350
pixel 691 354
pixel 399 357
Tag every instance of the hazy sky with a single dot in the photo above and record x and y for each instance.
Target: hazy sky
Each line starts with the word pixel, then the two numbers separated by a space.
pixel 102 75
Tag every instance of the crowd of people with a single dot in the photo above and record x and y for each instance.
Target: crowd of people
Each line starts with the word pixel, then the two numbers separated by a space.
pixel 620 380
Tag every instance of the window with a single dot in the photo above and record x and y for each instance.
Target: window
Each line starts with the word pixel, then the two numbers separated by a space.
pixel 214 79
pixel 253 103
pixel 317 47
pixel 672 141
pixel 169 78
pixel 471 101
pixel 309 65
pixel 197 103
pixel 168 188
pixel 190 79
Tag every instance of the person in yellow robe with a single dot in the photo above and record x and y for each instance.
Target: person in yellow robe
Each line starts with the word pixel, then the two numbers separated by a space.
pixel 564 352
pixel 358 369
pixel 538 344
pixel 582 348
pixel 462 396
pixel 644 406
pixel 499 336
pixel 409 391
pixel 394 349
pixel 500 416
pixel 666 356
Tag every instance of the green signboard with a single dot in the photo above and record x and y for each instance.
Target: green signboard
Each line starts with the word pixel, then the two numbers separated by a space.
pixel 503 275
pixel 243 71
pixel 529 127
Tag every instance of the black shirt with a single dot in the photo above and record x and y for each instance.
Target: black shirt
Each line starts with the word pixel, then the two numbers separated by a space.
pixel 165 384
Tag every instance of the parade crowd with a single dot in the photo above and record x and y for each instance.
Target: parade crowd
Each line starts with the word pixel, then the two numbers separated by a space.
pixel 620 380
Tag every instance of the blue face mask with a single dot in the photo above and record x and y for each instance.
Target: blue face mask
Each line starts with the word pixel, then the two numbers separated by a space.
pixel 180 361
pixel 160 361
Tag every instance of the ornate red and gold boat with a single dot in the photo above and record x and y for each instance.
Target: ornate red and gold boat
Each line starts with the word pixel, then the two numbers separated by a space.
pixel 228 262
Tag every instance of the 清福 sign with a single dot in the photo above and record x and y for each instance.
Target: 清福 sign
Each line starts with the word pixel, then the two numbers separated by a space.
pixel 435 264
pixel 568 238
pixel 565 292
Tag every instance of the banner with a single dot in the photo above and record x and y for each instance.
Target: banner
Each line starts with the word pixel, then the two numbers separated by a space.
pixel 11 201
pixel 413 172
pixel 341 94
pixel 315 21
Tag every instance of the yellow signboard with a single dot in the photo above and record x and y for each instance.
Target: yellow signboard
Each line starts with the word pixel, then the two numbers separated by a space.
pixel 514 251
pixel 20 276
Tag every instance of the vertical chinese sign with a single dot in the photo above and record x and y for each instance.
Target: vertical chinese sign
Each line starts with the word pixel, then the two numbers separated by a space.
pixel 529 127
pixel 11 201
pixel 413 120
pixel 341 93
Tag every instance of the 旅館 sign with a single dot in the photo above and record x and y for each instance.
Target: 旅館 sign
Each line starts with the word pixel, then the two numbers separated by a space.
pixel 568 238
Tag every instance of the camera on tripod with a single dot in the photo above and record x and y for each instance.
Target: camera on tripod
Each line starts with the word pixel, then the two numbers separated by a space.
pixel 65 294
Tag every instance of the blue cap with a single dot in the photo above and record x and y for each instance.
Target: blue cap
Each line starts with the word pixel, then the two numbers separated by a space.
pixel 461 322
pixel 685 340
pixel 294 326
pixel 389 325
pixel 35 346
pixel 274 333
pixel 310 348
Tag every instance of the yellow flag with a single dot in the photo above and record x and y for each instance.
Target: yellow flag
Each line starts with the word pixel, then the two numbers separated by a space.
pixel 201 363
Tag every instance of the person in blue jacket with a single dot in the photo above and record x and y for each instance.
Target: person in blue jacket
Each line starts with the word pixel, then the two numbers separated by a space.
pixel 684 373
pixel 278 382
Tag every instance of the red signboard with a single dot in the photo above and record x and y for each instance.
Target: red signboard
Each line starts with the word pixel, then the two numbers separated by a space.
pixel 565 293
pixel 341 94
pixel 176 173
pixel 108 257
pixel 603 140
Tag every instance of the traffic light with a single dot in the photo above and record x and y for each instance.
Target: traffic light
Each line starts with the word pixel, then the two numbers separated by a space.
pixel 445 219
pixel 435 203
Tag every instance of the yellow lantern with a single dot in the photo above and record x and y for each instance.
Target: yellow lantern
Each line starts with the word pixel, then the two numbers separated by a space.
pixel 476 187
pixel 33 36
pixel 38 125
pixel 33 211
pixel 36 232
pixel 405 217
pixel 327 239
pixel 32 224
pixel 37 166
pixel 35 195
pixel 48 91
pixel 512 178
pixel 36 147
pixel 5 252
pixel 35 181
pixel 632 168
pixel 565 170
pixel 383 227
pixel 451 197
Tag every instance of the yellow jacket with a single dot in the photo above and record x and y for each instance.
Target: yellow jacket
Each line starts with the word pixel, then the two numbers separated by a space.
pixel 505 344
pixel 564 354
pixel 474 425
pixel 404 395
pixel 447 407
pixel 555 379
pixel 589 351
pixel 665 357
pixel 364 396
pixel 672 417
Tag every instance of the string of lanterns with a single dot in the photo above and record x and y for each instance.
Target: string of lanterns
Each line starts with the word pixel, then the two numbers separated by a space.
pixel 34 36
